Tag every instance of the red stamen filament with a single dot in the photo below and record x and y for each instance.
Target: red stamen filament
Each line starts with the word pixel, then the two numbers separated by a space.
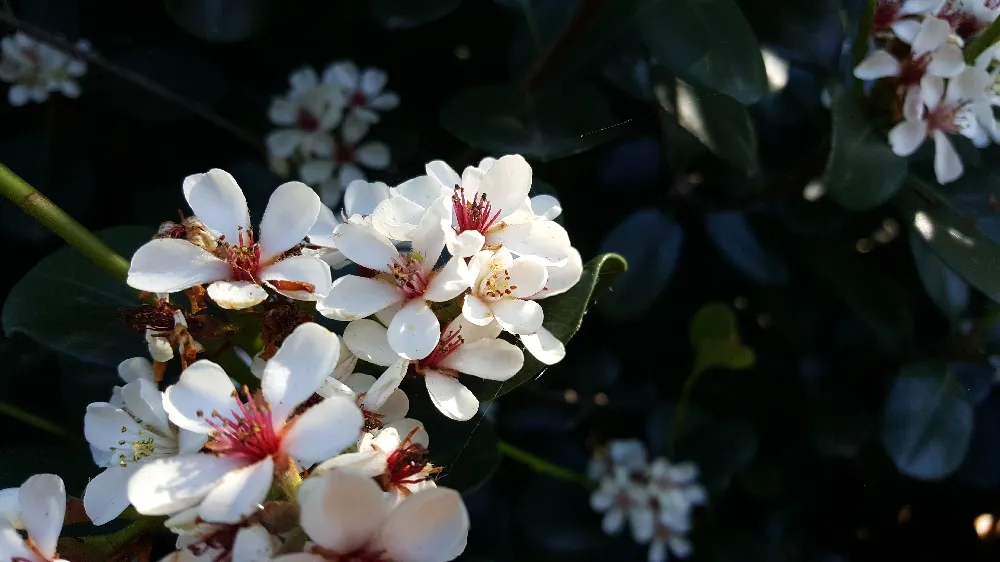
pixel 307 121
pixel 408 274
pixel 409 459
pixel 447 345
pixel 248 433
pixel 244 258
pixel 913 70
pixel 473 215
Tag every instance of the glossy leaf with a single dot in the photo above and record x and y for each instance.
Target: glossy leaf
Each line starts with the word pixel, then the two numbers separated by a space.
pixel 945 287
pixel 651 243
pixel 721 123
pixel 69 305
pixel 546 125
pixel 563 315
pixel 927 422
pixel 220 21
pixel 734 237
pixel 406 14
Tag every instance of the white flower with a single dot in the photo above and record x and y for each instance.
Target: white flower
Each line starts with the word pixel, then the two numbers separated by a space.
pixel 622 500
pixel 307 115
pixel 676 488
pixel 501 288
pixel 381 404
pixel 462 347
pixel 333 170
pixel 364 91
pixel 395 456
pixel 900 16
pixel 969 17
pixel 199 541
pixel 400 277
pixel 663 538
pixel 348 516
pixel 627 453
pixel 39 509
pixel 241 264
pixel 932 54
pixel 360 199
pixel 961 108
pixel 248 441
pixel 129 434
pixel 35 69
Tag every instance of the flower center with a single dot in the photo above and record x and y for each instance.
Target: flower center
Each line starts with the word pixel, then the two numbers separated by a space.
pixel 407 272
pixel 496 285
pixel 913 70
pixel 447 344
pixel 358 99
pixel 373 420
pixel 307 121
pixel 945 118
pixel 963 22
pixel 247 433
pixel 221 540
pixel 886 13
pixel 344 153
pixel 243 258
pixel 472 215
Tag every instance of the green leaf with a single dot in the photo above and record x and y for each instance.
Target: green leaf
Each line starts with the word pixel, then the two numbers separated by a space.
pixel 927 422
pixel 69 305
pixel 712 322
pixel 706 42
pixel 945 287
pixel 563 316
pixel 953 238
pixel 736 240
pixel 721 123
pixel 406 14
pixel 220 21
pixel 545 125
pixel 862 171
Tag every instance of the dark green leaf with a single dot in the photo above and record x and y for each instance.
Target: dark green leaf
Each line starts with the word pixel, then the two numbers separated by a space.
pixel 71 306
pixel 706 42
pixel 74 464
pixel 721 123
pixel 220 21
pixel 737 241
pixel 563 316
pixel 981 467
pixel 651 243
pixel 713 322
pixel 862 171
pixel 406 14
pixel 724 355
pixel 546 125
pixel 945 287
pixel 927 423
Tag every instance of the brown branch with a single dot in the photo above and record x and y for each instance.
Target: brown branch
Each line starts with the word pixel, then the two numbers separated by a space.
pixel 584 15
pixel 137 79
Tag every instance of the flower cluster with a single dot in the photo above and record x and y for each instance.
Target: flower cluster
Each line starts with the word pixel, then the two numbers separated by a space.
pixel 322 121
pixel 918 62
pixel 299 456
pixel 655 498
pixel 35 69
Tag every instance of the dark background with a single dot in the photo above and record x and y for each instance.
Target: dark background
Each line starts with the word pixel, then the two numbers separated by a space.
pixel 790 448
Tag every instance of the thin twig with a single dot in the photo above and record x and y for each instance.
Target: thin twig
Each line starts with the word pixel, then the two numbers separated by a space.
pixel 137 79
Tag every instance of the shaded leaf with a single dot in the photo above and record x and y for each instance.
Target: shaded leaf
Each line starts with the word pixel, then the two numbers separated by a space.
pixel 723 354
pixel 546 125
pixel 927 422
pixel 712 322
pixel 220 21
pixel 945 287
pixel 406 14
pixel 862 171
pixel 981 467
pixel 721 123
pixel 737 241
pixel 651 243
pixel 71 306
pixel 563 316
pixel 976 378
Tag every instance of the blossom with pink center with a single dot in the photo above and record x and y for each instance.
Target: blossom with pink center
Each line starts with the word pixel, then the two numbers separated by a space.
pixel 332 171
pixel 240 266
pixel 199 541
pixel 381 402
pixel 306 116
pixel 348 517
pixel 969 17
pixel 249 438
pixel 960 108
pixel 409 278
pixel 932 54
pixel 364 91
pixel 461 348
pixel 35 69
pixel 490 208
pixel 901 16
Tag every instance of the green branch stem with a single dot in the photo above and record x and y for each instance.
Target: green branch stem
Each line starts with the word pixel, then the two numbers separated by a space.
pixel 682 406
pixel 36 421
pixel 985 40
pixel 541 465
pixel 42 209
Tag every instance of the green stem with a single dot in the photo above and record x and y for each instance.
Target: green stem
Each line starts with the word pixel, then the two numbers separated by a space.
pixel 35 421
pixel 114 546
pixel 985 40
pixel 55 219
pixel 542 466
pixel 861 39
pixel 682 407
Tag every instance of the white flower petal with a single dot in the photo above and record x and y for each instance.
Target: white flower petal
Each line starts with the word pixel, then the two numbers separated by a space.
pixel 373 155
pixel 343 73
pixel 507 183
pixel 906 30
pixel 364 246
pixel 563 277
pixel 103 425
pixel 169 265
pixel 464 244
pixel 284 142
pixel 932 90
pixel 546 207
pixel 473 332
pixel 43 506
pixel 361 197
pixel 343 512
pixel 969 85
pixel 425 526
pixel 517 316
pixel 932 34
pixel 428 237
pixel 395 407
pixel 906 137
pixel 252 544
pixel 396 217
pixel 145 402
pixel 303 79
pixel 451 397
pixel 414 330
pixel 385 101
pixel 10 508
pixel 203 387
pixel 496 360
pixel 373 80
pixel 236 295
pixel 528 274
pixel 352 297
pixel 291 212
pixel 947 164
pixel 425 190
pixel 239 493
pixel 324 430
pixel 450 281
pixel 283 112
pixel 544 239
pixel 218 201
pixel 301 364
pixel 947 61
pixel 445 175
pixel 370 342
pixel 315 172
pixel 877 65
pixel 404 427
pixel 366 463
pixel 355 128
pixel 476 311
pixel 106 496
pixel 386 385
pixel 135 368
pixel 302 269
pixel 544 346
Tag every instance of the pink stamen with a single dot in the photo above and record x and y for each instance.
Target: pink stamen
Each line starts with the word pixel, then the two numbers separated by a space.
pixel 944 118
pixel 358 99
pixel 473 215
pixel 447 344
pixel 247 434
pixel 307 121
pixel 886 13
pixel 243 259
pixel 408 274
pixel 914 69
pixel 344 153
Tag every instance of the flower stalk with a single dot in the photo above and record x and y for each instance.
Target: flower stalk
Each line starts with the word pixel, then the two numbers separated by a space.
pixel 42 209
pixel 985 40
pixel 542 466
